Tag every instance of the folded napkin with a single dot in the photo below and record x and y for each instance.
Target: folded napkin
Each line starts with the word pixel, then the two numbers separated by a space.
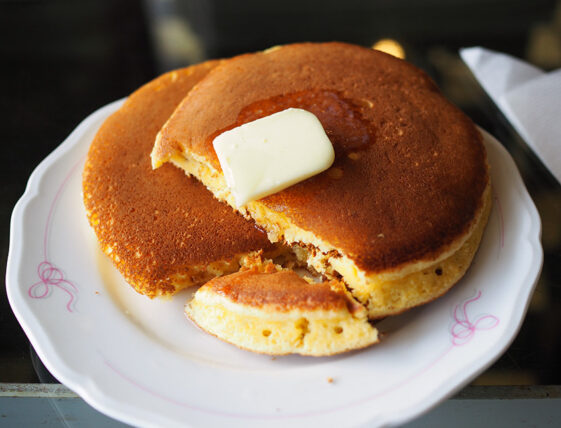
pixel 528 97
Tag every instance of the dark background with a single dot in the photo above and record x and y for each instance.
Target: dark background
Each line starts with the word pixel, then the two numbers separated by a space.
pixel 62 60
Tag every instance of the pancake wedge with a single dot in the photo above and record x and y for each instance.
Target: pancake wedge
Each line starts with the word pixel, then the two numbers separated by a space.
pixel 399 215
pixel 162 230
pixel 273 311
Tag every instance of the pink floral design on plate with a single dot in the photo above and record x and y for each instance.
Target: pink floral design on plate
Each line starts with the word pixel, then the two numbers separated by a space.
pixel 463 328
pixel 49 275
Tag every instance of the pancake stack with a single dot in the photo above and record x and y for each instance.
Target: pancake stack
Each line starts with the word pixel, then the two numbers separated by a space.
pixel 399 215
pixel 394 223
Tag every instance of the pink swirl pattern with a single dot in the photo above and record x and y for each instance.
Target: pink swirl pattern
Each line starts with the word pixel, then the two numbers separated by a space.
pixel 50 276
pixel 463 329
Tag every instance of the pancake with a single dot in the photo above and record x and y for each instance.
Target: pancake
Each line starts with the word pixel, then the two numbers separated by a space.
pixel 163 230
pixel 273 311
pixel 400 213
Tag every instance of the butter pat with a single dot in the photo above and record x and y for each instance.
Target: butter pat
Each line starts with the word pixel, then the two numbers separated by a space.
pixel 267 155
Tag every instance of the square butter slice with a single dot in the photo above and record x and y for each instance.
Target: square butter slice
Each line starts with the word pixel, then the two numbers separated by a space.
pixel 267 155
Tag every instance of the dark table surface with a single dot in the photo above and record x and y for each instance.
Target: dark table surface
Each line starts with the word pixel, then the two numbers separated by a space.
pixel 60 61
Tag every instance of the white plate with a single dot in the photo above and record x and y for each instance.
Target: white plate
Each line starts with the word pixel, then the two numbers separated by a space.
pixel 143 363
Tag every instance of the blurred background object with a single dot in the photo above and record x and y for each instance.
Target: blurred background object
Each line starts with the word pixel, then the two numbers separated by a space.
pixel 186 31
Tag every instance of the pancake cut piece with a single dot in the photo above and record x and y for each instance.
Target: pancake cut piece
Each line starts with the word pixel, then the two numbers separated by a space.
pixel 162 230
pixel 399 215
pixel 273 311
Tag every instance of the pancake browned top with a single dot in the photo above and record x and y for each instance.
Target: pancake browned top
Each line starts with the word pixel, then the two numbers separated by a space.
pixel 158 223
pixel 410 167
pixel 284 290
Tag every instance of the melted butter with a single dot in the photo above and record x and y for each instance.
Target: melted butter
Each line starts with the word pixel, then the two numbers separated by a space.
pixel 269 154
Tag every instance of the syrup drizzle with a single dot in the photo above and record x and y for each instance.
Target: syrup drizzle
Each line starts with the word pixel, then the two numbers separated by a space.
pixel 341 119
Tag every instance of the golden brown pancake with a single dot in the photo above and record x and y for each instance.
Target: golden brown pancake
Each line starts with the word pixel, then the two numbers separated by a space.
pixel 273 311
pixel 163 230
pixel 400 213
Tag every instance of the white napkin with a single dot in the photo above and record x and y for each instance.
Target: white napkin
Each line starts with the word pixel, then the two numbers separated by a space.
pixel 528 97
